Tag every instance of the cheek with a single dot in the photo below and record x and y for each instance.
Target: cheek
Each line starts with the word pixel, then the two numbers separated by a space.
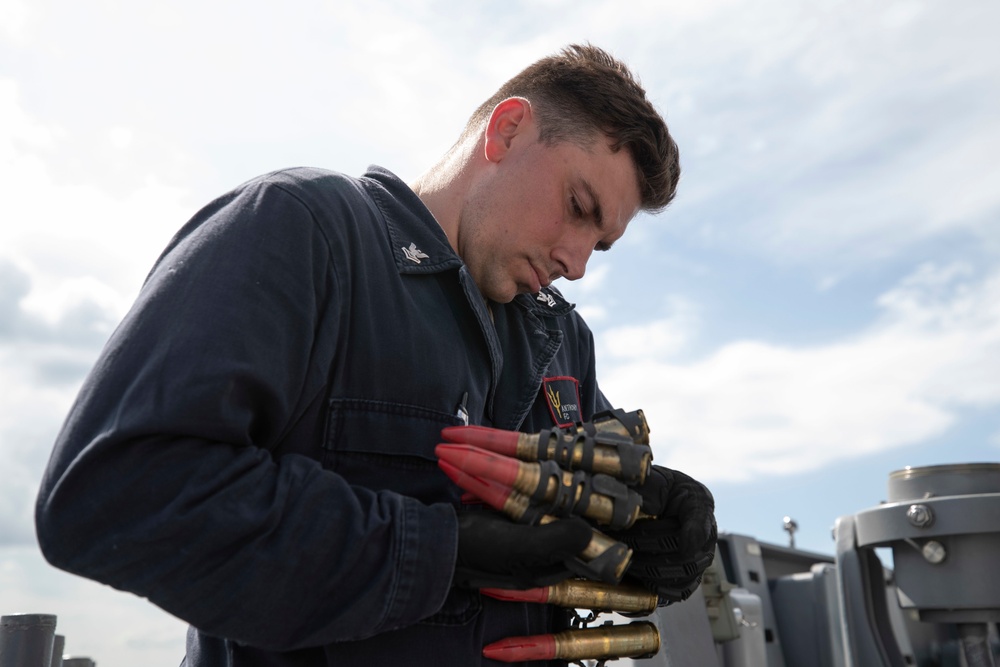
pixel 545 210
pixel 552 225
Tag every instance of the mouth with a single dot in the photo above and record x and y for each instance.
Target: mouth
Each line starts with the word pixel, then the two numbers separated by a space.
pixel 541 279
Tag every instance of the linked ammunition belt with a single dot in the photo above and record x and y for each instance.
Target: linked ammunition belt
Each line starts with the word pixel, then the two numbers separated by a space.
pixel 588 470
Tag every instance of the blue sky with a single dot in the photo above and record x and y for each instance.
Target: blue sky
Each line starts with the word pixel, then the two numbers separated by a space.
pixel 820 305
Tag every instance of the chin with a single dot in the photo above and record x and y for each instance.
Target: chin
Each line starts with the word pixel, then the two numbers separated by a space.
pixel 506 298
pixel 504 293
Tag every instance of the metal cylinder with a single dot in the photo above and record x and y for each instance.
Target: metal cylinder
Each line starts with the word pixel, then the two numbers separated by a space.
pixel 58 645
pixel 608 642
pixel 580 594
pixel 945 525
pixel 943 480
pixel 26 640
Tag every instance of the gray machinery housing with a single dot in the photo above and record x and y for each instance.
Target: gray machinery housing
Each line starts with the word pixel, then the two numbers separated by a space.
pixel 764 605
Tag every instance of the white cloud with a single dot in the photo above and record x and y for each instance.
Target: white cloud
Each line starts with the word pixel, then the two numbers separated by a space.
pixel 16 127
pixel 13 19
pixel 121 137
pixel 754 409
pixel 659 339
pixel 840 134
pixel 73 229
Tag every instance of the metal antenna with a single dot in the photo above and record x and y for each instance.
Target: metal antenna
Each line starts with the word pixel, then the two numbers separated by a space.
pixel 790 528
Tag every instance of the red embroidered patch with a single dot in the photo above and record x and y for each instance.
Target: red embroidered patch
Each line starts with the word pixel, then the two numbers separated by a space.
pixel 563 397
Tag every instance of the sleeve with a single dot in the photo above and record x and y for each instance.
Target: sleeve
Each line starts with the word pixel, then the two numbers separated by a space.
pixel 161 481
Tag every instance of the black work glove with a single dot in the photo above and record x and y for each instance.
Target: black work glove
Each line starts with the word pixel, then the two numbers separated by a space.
pixel 493 551
pixel 671 551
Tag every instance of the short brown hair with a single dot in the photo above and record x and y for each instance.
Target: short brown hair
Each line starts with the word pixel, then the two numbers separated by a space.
pixel 584 90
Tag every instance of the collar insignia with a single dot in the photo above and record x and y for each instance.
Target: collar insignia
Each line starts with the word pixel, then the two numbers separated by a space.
pixel 415 254
pixel 546 298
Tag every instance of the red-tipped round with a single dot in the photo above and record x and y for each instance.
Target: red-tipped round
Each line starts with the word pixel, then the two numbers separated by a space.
pixel 539 595
pixel 493 439
pixel 522 649
pixel 480 463
pixel 493 494
pixel 470 499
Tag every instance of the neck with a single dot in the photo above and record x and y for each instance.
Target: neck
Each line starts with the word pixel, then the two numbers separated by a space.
pixel 442 189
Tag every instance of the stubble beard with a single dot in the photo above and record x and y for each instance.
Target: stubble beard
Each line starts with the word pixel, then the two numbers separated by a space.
pixel 479 254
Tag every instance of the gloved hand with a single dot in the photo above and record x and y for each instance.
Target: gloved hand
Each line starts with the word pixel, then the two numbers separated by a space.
pixel 672 550
pixel 493 551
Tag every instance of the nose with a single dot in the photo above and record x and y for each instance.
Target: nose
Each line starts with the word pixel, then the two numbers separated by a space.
pixel 572 259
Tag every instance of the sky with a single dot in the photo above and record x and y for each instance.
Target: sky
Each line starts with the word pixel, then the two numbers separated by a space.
pixel 818 307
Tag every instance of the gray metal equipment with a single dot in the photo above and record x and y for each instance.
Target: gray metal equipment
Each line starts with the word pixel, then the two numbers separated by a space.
pixel 943 525
pixel 26 640
pixel 58 644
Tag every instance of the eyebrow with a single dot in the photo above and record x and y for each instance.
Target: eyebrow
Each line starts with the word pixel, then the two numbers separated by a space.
pixel 596 211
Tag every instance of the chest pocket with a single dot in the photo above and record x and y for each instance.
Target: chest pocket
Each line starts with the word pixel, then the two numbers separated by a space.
pixel 383 445
pixel 390 446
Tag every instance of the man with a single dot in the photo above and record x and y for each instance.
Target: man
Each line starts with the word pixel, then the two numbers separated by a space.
pixel 254 450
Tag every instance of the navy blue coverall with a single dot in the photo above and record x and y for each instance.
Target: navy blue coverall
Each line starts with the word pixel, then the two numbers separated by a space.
pixel 254 449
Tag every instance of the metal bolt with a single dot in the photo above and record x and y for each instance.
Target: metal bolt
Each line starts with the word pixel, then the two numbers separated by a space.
pixel 934 552
pixel 920 516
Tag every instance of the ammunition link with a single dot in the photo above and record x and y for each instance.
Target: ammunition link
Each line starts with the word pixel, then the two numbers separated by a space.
pixel 625 502
pixel 572 490
pixel 601 452
pixel 608 566
pixel 600 497
pixel 629 424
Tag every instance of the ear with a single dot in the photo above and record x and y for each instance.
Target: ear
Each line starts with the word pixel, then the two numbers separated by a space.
pixel 509 118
